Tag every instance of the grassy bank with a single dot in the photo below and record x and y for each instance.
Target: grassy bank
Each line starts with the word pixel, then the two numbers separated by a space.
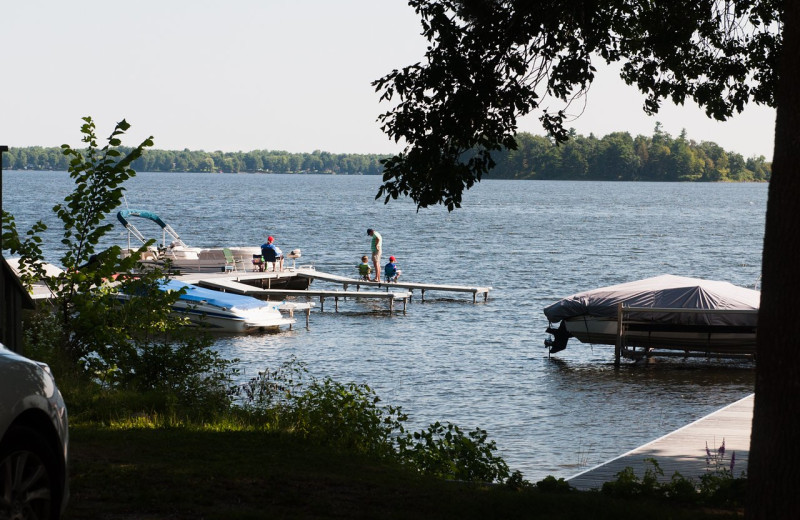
pixel 155 473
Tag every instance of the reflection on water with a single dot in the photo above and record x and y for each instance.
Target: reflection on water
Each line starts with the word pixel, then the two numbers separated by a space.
pixel 481 365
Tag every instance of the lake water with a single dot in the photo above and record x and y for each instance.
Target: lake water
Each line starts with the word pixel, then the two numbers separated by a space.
pixel 476 365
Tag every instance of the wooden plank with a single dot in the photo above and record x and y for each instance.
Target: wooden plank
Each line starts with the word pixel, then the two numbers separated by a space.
pixel 347 282
pixel 240 288
pixel 684 450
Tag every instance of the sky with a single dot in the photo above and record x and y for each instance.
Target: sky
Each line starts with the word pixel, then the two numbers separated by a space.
pixel 245 75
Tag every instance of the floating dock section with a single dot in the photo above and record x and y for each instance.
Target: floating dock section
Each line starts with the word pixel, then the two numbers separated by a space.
pixel 684 450
pixel 243 284
pixel 273 284
pixel 422 287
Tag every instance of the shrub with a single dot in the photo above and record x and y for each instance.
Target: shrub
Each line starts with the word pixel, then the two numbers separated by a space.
pixel 94 344
pixel 717 487
pixel 350 416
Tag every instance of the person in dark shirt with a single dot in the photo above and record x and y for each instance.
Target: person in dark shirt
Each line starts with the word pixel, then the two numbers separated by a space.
pixel 391 271
pixel 272 253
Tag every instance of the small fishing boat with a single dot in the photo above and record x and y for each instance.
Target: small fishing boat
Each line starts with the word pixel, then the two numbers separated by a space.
pixel 226 312
pixel 180 257
pixel 664 312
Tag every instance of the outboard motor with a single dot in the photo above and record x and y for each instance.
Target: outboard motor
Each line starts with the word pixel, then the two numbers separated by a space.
pixel 559 340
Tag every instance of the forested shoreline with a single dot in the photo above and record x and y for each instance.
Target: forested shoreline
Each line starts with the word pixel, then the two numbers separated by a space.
pixel 616 156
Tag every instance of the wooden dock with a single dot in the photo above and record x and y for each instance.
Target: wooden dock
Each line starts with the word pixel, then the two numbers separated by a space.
pixel 684 450
pixel 226 284
pixel 291 307
pixel 422 287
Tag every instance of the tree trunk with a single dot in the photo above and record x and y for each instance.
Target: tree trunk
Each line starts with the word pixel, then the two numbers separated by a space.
pixel 774 468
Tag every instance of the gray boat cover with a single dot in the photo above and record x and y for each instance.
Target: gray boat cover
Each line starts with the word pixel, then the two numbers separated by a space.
pixel 669 292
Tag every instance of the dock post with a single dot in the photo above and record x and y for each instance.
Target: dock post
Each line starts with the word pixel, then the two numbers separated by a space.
pixel 618 344
pixel 422 296
pixel 474 296
pixel 336 303
pixel 391 305
pixel 308 316
pixel 405 300
pixel 486 297
pixel 321 303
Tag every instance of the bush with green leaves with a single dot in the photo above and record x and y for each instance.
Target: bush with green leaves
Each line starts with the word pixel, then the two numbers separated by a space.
pixel 549 484
pixel 350 416
pixel 139 346
pixel 717 487
pixel 445 451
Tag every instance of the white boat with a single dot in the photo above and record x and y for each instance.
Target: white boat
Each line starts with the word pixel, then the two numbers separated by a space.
pixel 664 312
pixel 226 312
pixel 180 257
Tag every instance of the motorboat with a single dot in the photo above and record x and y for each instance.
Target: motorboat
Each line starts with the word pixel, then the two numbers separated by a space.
pixel 225 312
pixel 664 312
pixel 174 254
pixel 217 310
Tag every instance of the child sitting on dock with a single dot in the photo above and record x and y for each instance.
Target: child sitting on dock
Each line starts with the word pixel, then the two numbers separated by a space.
pixel 364 269
pixel 391 271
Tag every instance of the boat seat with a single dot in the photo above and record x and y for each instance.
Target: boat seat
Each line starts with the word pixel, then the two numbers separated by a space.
pixel 230 261
pixel 258 263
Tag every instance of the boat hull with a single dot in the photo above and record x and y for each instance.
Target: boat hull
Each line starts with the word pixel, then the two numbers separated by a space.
pixel 221 312
pixel 213 318
pixel 604 331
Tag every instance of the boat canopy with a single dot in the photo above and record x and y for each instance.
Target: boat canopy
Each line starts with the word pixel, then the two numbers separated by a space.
pixel 125 214
pixel 665 292
pixel 211 297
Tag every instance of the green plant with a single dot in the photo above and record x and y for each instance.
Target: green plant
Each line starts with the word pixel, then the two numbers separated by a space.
pixel 716 487
pixel 626 484
pixel 550 484
pixel 273 389
pixel 718 484
pixel 347 415
pixel 350 416
pixel 138 346
pixel 444 451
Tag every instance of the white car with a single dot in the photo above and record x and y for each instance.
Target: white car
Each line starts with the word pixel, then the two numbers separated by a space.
pixel 34 440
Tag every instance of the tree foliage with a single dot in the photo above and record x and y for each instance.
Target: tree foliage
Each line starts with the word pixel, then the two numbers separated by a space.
pixel 506 58
pixel 620 157
pixel 491 61
pixel 256 161
pixel 137 346
pixel 616 156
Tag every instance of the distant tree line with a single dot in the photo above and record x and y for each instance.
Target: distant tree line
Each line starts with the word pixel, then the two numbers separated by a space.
pixel 263 161
pixel 617 156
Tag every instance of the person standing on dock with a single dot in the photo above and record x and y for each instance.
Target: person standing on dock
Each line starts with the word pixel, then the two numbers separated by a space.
pixel 377 246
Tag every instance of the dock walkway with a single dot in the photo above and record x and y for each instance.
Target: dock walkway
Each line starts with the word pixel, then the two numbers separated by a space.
pixel 422 287
pixel 226 284
pixel 683 450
